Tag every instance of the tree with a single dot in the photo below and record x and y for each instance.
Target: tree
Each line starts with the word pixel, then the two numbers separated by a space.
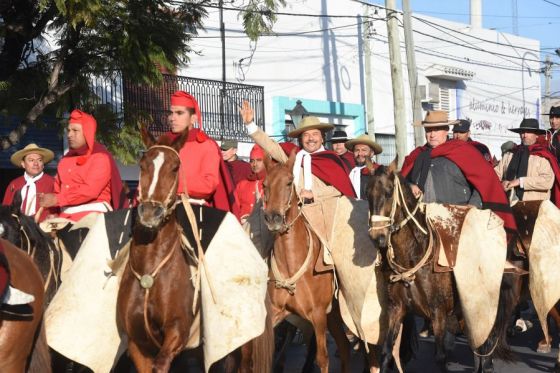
pixel 51 48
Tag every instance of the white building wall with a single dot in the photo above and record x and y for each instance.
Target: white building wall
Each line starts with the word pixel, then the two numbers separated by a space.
pixel 328 66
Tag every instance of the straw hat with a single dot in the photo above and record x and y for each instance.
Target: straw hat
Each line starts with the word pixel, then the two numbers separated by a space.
pixel 363 140
pixel 18 156
pixel 436 118
pixel 309 123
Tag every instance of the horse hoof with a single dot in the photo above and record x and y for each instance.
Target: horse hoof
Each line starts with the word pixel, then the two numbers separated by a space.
pixel 543 348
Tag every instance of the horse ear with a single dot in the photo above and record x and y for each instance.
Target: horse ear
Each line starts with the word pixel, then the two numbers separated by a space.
pixel 291 159
pixel 268 162
pixel 147 138
pixel 15 207
pixel 178 143
pixel 393 166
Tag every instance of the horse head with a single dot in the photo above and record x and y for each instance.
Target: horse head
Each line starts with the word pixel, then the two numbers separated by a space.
pixel 9 220
pixel 278 187
pixel 381 199
pixel 159 178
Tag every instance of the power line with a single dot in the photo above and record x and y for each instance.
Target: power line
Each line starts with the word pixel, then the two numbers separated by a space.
pixel 550 2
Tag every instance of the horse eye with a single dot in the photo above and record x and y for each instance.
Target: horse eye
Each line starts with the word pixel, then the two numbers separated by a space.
pixel 290 182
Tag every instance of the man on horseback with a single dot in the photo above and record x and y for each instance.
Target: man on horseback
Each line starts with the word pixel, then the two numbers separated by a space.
pixel 553 134
pixel 88 179
pixel 531 171
pixel 338 141
pixel 363 149
pixel 454 172
pixel 318 173
pixel 33 182
pixel 203 174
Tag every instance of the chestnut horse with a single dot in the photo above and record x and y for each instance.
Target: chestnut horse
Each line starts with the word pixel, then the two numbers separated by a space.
pixel 294 286
pixel 23 345
pixel 397 223
pixel 156 294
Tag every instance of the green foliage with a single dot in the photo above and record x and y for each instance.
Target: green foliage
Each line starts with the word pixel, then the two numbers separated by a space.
pixel 259 17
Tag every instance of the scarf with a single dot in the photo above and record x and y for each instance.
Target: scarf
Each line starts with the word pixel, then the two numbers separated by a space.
pixel 305 157
pixel 29 194
pixel 356 178
pixel 518 167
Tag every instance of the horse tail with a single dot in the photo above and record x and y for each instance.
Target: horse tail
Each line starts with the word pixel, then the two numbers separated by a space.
pixel 496 345
pixel 263 345
pixel 409 339
pixel 40 360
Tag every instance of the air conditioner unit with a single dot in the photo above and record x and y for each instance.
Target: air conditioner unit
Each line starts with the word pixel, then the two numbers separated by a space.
pixel 424 93
pixel 434 93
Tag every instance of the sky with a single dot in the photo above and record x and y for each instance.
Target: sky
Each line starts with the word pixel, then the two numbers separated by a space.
pixel 536 19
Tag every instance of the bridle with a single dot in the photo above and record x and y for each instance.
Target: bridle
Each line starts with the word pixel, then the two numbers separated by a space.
pixel 401 273
pixel 285 227
pixel 168 205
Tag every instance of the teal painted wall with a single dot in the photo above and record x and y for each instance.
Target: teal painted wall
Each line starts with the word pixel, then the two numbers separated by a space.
pixel 281 105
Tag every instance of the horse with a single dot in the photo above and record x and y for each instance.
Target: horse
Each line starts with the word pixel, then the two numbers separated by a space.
pixel 431 295
pixel 295 286
pixel 23 344
pixel 152 309
pixel 25 233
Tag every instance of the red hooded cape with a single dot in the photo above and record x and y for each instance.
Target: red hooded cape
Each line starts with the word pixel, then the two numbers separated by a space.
pixel 119 199
pixel 478 173
pixel 542 151
pixel 223 198
pixel 328 167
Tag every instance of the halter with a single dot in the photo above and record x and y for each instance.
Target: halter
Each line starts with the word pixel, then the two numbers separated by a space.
pixel 285 225
pixel 167 206
pixel 401 273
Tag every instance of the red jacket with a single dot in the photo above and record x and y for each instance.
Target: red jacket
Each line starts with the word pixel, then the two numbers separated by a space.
pixel 204 171
pixel 246 193
pixel 44 185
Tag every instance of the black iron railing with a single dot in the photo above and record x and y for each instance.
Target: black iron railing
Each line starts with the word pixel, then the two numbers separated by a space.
pixel 152 103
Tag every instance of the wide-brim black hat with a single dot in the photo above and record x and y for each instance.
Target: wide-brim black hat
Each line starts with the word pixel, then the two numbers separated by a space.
pixel 528 124
pixel 554 111
pixel 338 137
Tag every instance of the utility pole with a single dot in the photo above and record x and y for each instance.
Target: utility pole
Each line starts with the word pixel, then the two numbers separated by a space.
pixel 419 138
pixel 548 77
pixel 396 79
pixel 223 90
pixel 369 84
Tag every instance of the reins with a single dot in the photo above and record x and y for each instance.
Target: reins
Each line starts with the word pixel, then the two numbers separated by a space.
pixel 402 273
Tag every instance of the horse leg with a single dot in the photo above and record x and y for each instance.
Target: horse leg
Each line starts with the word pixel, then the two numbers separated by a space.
pixel 442 341
pixel 172 345
pixel 319 321
pixel 543 346
pixel 396 314
pixel 142 363
pixel 335 325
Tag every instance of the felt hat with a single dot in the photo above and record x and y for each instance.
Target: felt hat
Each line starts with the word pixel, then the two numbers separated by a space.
pixel 554 111
pixel 364 140
pixel 436 118
pixel 463 126
pixel 338 137
pixel 528 124
pixel 309 123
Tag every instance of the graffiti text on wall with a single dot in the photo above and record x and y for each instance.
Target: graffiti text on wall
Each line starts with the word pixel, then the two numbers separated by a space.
pixel 499 107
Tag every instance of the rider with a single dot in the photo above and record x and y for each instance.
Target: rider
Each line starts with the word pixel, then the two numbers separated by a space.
pixel 530 172
pixel 462 131
pixel 363 149
pixel 33 182
pixel 338 141
pixel 454 172
pixel 203 174
pixel 238 169
pixel 250 190
pixel 319 173
pixel 553 134
pixel 88 179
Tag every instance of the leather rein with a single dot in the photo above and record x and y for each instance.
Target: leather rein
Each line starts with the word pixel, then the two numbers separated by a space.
pixel 401 273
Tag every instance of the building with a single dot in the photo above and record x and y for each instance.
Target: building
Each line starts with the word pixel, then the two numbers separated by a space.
pixel 317 54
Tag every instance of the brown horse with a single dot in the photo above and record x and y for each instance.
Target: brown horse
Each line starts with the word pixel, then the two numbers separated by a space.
pixel 296 249
pixel 401 227
pixel 156 294
pixel 23 345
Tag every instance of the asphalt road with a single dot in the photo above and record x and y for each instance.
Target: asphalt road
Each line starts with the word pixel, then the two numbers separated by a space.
pixel 524 345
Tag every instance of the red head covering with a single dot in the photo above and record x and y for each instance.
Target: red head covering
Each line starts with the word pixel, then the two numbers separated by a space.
pixel 182 98
pixel 89 127
pixel 257 152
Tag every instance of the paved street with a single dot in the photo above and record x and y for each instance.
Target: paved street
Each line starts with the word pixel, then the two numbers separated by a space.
pixel 524 345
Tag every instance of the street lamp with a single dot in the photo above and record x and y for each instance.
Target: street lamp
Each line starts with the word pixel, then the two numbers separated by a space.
pixel 297 113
